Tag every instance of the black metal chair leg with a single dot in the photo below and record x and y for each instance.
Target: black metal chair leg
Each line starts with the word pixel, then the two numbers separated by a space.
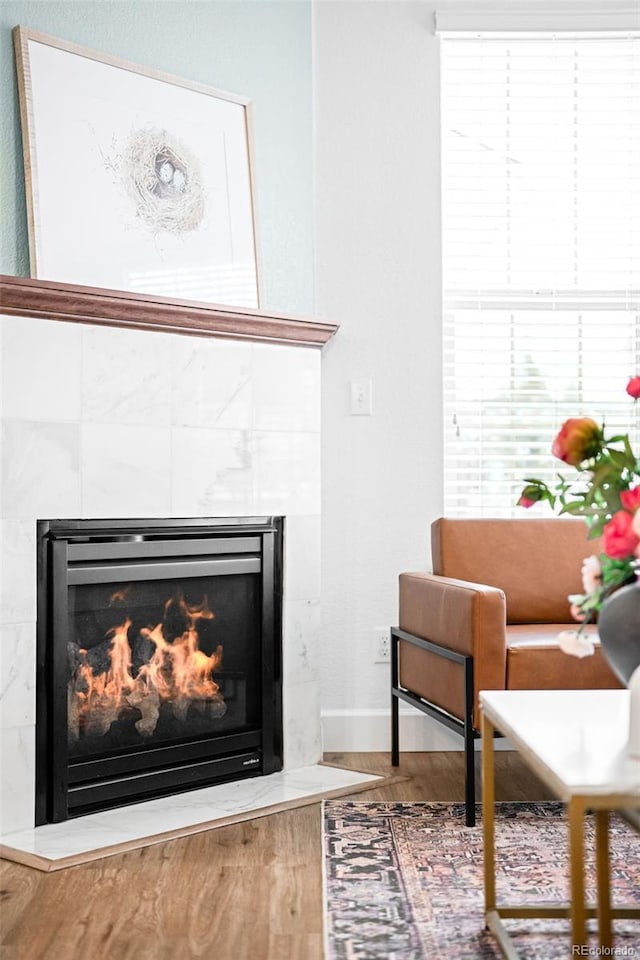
pixel 395 703
pixel 461 726
pixel 469 752
pixel 395 739
pixel 469 778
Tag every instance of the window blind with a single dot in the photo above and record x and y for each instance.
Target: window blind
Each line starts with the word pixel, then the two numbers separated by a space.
pixel 541 255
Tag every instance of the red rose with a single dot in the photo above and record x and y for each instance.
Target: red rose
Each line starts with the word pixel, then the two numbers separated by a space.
pixel 633 388
pixel 524 502
pixel 630 499
pixel 620 541
pixel 579 439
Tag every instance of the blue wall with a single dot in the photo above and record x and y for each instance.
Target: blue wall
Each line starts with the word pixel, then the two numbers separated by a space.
pixel 260 49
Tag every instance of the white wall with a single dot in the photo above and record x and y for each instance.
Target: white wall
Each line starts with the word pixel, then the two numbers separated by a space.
pixel 378 274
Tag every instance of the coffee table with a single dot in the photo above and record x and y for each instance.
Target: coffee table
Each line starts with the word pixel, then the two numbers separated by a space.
pixel 575 742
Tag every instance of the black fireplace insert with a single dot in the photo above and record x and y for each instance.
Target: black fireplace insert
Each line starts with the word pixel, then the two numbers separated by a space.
pixel 159 658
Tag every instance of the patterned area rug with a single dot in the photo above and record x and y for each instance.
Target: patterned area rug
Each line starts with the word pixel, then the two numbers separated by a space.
pixel 403 881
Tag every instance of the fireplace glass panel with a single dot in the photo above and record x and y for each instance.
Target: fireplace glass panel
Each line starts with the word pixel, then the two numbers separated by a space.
pixel 159 661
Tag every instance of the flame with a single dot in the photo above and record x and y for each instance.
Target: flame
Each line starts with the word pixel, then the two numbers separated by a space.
pixel 119 596
pixel 177 673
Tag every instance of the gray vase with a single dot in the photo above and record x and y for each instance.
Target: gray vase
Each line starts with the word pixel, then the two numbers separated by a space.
pixel 619 629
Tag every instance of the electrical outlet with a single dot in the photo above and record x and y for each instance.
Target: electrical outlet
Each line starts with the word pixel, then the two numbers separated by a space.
pixel 382 645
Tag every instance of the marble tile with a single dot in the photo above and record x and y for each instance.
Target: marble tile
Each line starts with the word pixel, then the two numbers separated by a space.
pixel 287 473
pixel 302 738
pixel 125 471
pixel 163 814
pixel 18 565
pixel 302 558
pixel 320 777
pixel 126 376
pixel 302 653
pixel 17 783
pixel 244 797
pixel 282 787
pixel 286 388
pixel 40 469
pixel 211 384
pixel 211 473
pixel 57 840
pixel 40 369
pixel 17 675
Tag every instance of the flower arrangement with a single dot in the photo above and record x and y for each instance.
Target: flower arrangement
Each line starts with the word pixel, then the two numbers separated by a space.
pixel 606 492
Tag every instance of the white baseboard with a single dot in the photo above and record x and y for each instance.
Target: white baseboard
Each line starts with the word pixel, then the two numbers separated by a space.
pixel 366 731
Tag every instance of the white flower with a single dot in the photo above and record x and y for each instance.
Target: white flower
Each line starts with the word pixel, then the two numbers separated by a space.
pixel 575 643
pixel 591 574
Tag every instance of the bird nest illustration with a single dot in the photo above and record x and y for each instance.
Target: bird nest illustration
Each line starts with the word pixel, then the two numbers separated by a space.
pixel 163 179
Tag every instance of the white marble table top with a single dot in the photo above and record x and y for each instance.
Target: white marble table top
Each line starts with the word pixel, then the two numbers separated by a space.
pixel 575 740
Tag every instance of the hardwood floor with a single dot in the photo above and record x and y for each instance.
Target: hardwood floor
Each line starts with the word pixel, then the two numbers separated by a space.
pixel 252 891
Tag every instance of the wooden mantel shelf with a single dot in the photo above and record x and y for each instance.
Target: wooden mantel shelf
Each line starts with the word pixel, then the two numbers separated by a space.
pixel 21 296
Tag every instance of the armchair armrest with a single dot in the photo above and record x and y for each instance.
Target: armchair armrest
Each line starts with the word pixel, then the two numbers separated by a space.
pixel 467 617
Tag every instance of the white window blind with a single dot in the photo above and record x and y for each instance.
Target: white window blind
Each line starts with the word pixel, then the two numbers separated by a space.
pixel 541 255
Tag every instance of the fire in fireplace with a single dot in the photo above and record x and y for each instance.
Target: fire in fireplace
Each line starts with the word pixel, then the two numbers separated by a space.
pixel 131 682
pixel 159 654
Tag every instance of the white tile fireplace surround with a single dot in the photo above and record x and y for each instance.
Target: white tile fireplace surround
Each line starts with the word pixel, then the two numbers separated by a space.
pixel 100 422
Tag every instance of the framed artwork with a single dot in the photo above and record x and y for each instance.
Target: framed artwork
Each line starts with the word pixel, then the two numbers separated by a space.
pixel 135 179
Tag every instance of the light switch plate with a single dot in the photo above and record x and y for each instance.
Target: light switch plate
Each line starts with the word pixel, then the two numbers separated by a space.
pixel 361 398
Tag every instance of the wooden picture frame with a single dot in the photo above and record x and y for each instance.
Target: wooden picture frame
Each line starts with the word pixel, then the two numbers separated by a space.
pixel 135 179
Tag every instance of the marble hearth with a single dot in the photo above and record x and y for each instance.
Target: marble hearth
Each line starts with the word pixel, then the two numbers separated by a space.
pixel 100 422
pixel 55 846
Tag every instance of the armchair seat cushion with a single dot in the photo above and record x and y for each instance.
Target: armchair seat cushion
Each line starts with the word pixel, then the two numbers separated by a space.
pixel 536 662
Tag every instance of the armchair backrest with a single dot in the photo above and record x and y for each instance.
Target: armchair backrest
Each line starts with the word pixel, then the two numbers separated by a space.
pixel 536 562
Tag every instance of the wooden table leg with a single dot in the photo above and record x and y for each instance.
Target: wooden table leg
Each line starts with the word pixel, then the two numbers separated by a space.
pixel 576 811
pixel 488 814
pixel 602 874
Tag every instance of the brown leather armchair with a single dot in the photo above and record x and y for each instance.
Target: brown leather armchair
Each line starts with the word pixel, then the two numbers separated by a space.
pixel 487 618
